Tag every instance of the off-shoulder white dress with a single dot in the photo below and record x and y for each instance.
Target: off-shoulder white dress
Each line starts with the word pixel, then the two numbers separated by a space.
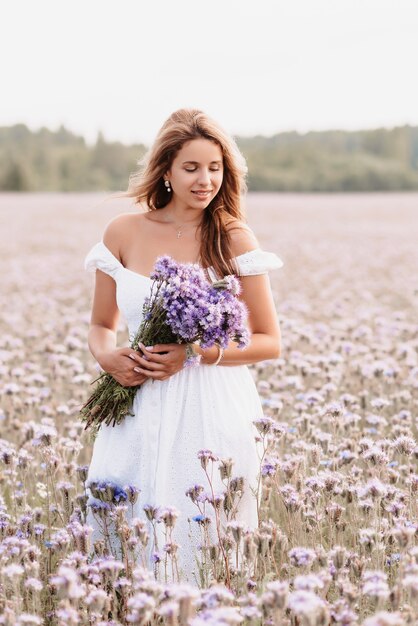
pixel 203 407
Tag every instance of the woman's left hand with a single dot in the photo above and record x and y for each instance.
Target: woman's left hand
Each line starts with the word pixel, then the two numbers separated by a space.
pixel 157 365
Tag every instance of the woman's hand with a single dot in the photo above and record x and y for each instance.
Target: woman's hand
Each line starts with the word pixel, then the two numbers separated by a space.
pixel 122 364
pixel 162 361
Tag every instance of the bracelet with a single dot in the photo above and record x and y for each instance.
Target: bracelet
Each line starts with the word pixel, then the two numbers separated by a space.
pixel 220 355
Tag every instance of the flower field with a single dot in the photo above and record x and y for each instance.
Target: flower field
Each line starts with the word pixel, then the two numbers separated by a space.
pixel 337 541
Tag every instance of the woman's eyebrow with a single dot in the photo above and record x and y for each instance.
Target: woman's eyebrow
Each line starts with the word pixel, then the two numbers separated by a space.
pixel 197 162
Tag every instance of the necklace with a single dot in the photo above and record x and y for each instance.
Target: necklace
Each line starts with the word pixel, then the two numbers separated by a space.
pixel 178 228
pixel 179 231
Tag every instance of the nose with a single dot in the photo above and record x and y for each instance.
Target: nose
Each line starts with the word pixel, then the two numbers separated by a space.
pixel 204 177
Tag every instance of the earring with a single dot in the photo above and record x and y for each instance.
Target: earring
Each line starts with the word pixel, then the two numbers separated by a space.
pixel 167 184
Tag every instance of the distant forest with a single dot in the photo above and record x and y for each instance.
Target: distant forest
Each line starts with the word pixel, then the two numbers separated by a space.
pixel 368 160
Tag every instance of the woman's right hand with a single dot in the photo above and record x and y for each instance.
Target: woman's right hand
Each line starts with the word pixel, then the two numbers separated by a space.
pixel 120 364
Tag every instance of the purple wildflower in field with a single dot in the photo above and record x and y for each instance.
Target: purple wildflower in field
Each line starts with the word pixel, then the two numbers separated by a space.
pixel 275 595
pixel 82 472
pixel 13 571
pixel 374 488
pixel 375 584
pixel 133 493
pixel 216 500
pixel 393 558
pixel 308 582
pixel 404 445
pixel 205 456
pixel 141 607
pixel 169 515
pixel 264 424
pixel 385 618
pixel 269 466
pixel 67 583
pixel 306 603
pixel 97 506
pixel 301 557
pixel 194 492
pixel 156 557
pixel 237 529
pixel 120 494
pixel 96 600
pixel 202 520
pixel 67 615
pixel 216 595
pixel 152 512
pixel 110 492
pixel 334 409
pixel 203 497
pixel 220 615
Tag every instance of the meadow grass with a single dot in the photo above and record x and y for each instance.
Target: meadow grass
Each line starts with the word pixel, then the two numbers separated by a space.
pixel 337 541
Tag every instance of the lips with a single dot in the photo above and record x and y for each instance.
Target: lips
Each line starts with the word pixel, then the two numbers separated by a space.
pixel 202 194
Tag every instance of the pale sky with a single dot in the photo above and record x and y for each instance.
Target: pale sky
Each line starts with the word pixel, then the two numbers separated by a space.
pixel 256 66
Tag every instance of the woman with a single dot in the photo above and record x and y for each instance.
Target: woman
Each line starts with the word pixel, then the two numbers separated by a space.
pixel 191 183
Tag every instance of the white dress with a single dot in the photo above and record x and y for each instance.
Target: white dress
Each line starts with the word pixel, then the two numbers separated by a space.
pixel 204 407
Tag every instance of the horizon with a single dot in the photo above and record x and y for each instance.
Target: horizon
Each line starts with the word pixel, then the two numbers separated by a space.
pixel 237 136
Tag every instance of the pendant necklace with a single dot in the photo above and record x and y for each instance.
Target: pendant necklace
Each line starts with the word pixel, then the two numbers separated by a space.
pixel 178 229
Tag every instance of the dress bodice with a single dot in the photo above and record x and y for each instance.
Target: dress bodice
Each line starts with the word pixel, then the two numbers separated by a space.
pixel 132 287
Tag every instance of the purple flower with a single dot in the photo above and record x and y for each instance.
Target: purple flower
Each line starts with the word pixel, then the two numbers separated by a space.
pixel 97 506
pixel 133 493
pixel 165 267
pixel 195 309
pixel 300 557
pixel 120 494
pixel 205 456
pixel 269 468
pixel 194 492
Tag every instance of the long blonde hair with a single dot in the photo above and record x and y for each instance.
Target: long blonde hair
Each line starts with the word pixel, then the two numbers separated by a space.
pixel 147 184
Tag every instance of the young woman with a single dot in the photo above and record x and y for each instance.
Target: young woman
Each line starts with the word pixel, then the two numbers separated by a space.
pixel 190 185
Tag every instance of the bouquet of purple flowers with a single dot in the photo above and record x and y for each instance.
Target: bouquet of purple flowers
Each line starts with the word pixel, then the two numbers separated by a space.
pixel 183 307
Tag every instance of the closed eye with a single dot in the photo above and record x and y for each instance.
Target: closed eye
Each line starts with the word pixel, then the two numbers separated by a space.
pixel 212 169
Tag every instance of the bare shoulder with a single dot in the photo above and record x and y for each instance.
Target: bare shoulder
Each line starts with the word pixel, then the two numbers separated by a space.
pixel 117 232
pixel 242 237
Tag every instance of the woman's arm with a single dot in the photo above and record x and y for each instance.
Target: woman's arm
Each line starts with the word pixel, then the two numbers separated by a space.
pixel 102 335
pixel 104 318
pixel 105 313
pixel 262 317
pixel 262 322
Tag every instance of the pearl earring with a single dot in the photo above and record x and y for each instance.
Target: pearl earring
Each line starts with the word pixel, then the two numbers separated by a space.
pixel 167 184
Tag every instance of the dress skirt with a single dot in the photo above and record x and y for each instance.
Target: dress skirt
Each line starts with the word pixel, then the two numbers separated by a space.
pixel 156 450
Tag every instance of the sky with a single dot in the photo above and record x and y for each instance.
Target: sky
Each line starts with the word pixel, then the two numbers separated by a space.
pixel 256 66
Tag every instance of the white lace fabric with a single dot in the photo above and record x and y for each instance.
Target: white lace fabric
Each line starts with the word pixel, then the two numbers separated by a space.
pixel 251 263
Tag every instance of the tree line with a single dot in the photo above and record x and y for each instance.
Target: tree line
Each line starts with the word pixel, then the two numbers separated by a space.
pixel 379 159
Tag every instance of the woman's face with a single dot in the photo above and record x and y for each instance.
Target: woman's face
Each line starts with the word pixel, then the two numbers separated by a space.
pixel 196 173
